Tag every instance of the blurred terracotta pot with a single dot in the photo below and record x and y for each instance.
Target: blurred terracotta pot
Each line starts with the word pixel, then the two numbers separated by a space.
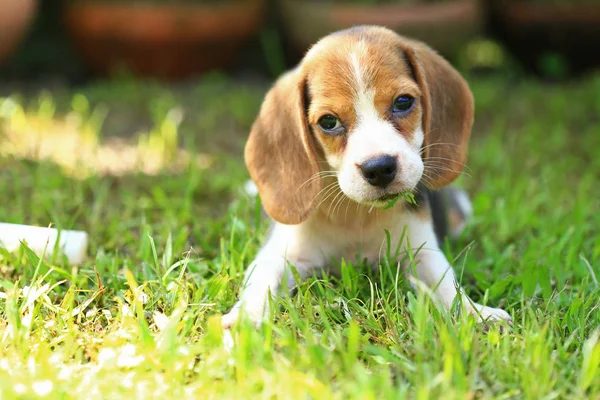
pixel 171 40
pixel 15 17
pixel 532 30
pixel 444 25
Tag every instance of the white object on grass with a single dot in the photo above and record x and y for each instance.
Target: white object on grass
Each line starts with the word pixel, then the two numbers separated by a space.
pixel 250 188
pixel 73 244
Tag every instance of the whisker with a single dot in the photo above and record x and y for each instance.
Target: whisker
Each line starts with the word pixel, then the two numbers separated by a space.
pixel 337 202
pixel 333 192
pixel 418 191
pixel 325 188
pixel 427 179
pixel 437 144
pixel 334 201
pixel 347 206
pixel 437 164
pixel 331 189
pixel 320 174
pixel 438 167
pixel 340 202
pixel 434 175
pixel 448 159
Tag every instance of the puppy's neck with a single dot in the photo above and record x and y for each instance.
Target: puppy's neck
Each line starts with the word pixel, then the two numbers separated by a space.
pixel 342 212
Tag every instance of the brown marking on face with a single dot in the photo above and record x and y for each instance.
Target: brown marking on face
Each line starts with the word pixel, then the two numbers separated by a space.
pixel 334 86
pixel 390 76
pixel 330 95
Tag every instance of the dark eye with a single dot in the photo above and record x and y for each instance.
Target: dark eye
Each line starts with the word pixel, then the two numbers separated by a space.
pixel 329 123
pixel 403 103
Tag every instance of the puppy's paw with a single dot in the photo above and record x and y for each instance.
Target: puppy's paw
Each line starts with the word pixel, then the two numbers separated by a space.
pixel 253 314
pixel 490 315
pixel 229 319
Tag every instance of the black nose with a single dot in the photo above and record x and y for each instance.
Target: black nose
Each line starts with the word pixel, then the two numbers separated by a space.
pixel 379 171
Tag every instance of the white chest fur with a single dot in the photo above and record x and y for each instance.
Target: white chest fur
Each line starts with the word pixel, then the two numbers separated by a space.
pixel 321 241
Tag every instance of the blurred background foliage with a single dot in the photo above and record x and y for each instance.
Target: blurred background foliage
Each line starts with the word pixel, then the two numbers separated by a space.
pixel 69 42
pixel 153 77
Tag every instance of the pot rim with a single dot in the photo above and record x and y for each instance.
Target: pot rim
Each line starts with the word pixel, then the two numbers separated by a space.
pixel 169 22
pixel 393 14
pixel 549 13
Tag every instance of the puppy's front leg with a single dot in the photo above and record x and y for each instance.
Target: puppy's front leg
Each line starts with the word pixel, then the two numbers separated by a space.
pixel 434 270
pixel 265 274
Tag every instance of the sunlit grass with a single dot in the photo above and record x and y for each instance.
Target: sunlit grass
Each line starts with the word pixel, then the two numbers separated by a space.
pixel 73 140
pixel 168 250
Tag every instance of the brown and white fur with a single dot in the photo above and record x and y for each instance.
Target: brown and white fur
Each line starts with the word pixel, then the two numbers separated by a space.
pixel 313 184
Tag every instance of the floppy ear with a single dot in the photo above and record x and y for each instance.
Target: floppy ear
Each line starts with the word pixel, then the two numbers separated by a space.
pixel 280 152
pixel 447 114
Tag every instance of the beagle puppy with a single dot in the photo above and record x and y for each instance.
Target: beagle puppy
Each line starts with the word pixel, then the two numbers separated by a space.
pixel 367 116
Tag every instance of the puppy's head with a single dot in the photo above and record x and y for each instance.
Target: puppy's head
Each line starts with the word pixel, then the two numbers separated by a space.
pixel 378 112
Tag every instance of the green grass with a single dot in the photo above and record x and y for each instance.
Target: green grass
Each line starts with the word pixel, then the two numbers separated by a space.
pixel 141 318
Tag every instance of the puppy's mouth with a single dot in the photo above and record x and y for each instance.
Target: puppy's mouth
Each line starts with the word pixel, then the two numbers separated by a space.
pixel 388 200
pixel 383 197
pixel 383 200
pixel 388 197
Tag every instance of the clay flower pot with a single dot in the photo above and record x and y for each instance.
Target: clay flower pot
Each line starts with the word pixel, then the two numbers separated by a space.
pixel 15 17
pixel 533 29
pixel 165 40
pixel 444 25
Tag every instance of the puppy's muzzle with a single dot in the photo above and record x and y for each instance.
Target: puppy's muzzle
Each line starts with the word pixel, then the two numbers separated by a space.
pixel 379 171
